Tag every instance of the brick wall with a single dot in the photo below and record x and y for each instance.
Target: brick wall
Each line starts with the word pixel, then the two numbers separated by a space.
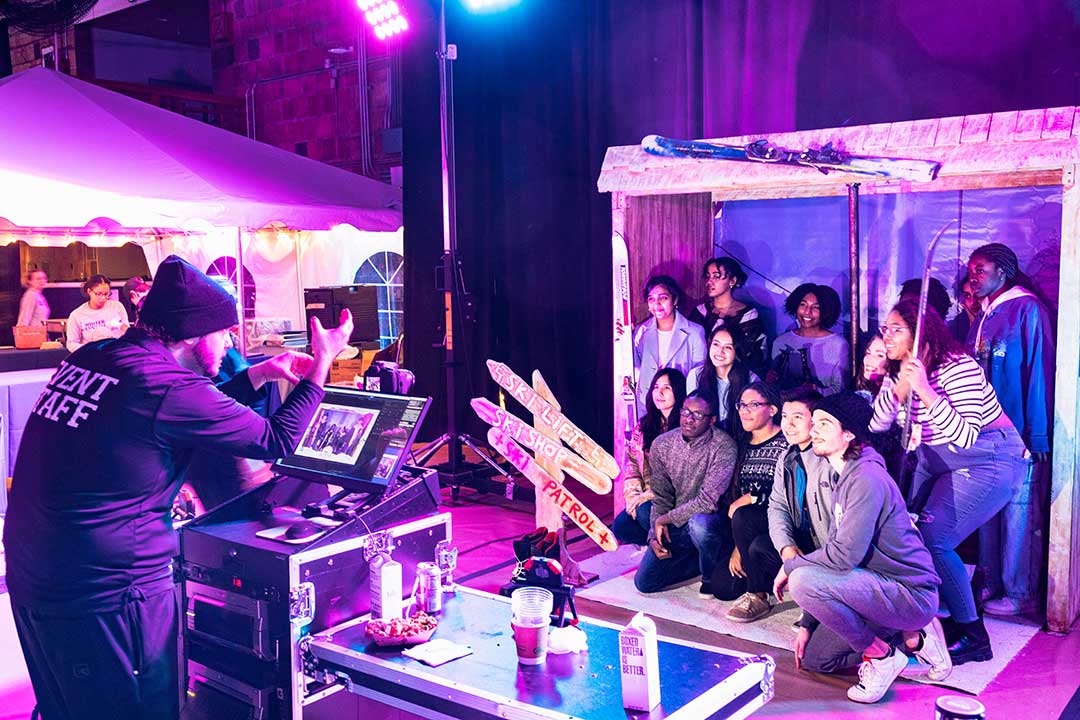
pixel 26 50
pixel 315 110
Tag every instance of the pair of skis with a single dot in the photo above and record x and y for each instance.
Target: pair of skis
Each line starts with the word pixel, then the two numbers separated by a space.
pixel 825 159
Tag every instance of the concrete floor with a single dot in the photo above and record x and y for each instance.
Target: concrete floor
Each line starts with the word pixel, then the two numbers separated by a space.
pixel 1037 685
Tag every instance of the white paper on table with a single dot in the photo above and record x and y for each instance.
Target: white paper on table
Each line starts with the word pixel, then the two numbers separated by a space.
pixel 437 652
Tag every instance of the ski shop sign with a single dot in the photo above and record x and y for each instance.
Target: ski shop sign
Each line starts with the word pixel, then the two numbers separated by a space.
pixel 510 435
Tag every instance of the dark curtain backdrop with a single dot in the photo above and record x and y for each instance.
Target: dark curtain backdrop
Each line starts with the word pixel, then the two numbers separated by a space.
pixel 544 87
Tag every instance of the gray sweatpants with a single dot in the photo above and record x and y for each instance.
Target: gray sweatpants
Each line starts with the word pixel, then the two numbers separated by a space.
pixel 856 605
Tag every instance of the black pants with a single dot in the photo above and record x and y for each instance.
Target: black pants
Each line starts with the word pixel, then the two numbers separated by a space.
pixel 760 561
pixel 120 665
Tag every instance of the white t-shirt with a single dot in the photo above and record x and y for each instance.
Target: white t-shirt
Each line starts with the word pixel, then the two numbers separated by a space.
pixel 86 325
pixel 664 339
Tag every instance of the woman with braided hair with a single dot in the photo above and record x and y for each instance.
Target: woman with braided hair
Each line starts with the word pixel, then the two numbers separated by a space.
pixel 1013 340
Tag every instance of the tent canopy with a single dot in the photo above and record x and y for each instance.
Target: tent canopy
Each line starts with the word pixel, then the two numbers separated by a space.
pixel 72 152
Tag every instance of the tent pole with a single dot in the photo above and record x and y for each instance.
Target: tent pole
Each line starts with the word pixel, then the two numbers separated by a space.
pixel 300 283
pixel 853 272
pixel 240 289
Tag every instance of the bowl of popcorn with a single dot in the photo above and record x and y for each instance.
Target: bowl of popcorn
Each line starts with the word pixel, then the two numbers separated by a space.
pixel 402 631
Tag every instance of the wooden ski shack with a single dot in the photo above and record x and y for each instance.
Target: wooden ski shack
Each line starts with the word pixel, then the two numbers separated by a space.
pixel 664 209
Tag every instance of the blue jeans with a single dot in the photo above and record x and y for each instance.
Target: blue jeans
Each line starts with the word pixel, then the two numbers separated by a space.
pixel 633 530
pixel 1012 546
pixel 695 548
pixel 858 604
pixel 964 489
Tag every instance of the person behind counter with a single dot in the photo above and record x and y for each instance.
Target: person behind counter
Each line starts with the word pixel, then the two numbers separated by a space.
pixel 98 318
pixel 89 542
pixel 132 294
pixel 33 307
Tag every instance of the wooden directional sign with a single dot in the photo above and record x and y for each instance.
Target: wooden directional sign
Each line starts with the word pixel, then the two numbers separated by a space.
pixel 546 449
pixel 552 489
pixel 570 433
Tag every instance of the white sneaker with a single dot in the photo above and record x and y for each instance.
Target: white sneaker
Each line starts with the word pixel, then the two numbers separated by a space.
pixel 875 677
pixel 935 651
pixel 1006 606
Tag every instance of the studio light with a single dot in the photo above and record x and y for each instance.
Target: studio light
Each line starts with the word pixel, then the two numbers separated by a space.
pixel 484 6
pixel 384 16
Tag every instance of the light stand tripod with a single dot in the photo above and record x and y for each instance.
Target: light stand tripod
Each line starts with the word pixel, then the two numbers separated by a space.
pixel 455 471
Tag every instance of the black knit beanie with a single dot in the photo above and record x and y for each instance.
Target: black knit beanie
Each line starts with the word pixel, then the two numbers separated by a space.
pixel 185 303
pixel 852 411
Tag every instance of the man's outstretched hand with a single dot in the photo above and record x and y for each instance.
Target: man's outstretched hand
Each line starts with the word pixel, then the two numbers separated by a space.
pixel 291 366
pixel 326 344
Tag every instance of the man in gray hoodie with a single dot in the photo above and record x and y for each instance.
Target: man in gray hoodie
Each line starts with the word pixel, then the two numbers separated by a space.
pixel 873 575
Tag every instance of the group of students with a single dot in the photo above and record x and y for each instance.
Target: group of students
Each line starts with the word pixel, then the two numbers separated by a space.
pixel 98 318
pixel 799 483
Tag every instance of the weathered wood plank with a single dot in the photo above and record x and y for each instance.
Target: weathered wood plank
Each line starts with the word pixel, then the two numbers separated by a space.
pixel 1058 123
pixel 1029 125
pixel 687 176
pixel 891 187
pixel 976 128
pixel 670 235
pixel 949 131
pixel 877 136
pixel 899 136
pixel 924 133
pixel 1002 126
pixel 1063 595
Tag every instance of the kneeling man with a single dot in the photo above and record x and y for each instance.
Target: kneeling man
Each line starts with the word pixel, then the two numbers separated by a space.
pixel 873 578
pixel 691 470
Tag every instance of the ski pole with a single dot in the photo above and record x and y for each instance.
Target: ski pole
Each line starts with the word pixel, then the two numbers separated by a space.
pixel 924 290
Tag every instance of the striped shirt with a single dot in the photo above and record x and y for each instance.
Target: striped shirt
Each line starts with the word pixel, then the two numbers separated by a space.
pixel 966 404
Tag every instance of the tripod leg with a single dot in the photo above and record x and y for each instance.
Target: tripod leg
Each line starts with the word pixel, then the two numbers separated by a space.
pixel 474 446
pixel 433 447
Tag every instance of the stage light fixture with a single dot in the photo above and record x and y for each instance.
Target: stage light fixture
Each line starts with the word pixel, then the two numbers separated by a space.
pixel 485 6
pixel 384 16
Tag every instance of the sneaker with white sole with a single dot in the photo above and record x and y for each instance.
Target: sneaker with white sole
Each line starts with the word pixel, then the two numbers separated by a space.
pixel 935 651
pixel 748 609
pixel 876 675
pixel 1006 605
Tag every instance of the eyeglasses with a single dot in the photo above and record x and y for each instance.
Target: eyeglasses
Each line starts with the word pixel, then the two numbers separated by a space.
pixel 891 330
pixel 104 294
pixel 693 414
pixel 755 405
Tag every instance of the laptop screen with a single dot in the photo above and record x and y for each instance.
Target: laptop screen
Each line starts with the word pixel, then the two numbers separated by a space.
pixel 356 439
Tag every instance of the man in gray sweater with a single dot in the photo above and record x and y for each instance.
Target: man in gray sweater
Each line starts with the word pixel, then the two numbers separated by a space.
pixel 872 577
pixel 691 469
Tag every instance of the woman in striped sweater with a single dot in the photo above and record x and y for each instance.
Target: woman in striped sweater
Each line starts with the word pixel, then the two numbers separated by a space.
pixel 970 457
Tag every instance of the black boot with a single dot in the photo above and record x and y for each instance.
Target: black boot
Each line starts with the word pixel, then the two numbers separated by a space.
pixel 953 632
pixel 973 644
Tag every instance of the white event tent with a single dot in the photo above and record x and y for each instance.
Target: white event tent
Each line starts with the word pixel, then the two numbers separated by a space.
pixel 81 163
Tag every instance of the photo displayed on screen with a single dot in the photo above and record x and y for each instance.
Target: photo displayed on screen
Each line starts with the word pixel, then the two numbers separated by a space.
pixel 337 433
pixel 356 436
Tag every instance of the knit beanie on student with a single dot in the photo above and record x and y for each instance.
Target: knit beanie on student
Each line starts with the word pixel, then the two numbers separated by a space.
pixel 850 410
pixel 185 303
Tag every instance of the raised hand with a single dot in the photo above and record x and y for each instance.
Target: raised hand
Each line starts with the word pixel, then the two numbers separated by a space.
pixel 331 342
pixel 326 344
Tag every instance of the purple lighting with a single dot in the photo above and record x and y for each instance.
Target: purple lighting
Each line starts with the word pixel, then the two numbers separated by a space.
pixel 384 16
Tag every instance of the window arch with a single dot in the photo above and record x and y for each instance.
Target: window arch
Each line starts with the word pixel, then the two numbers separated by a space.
pixel 385 270
pixel 225 267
